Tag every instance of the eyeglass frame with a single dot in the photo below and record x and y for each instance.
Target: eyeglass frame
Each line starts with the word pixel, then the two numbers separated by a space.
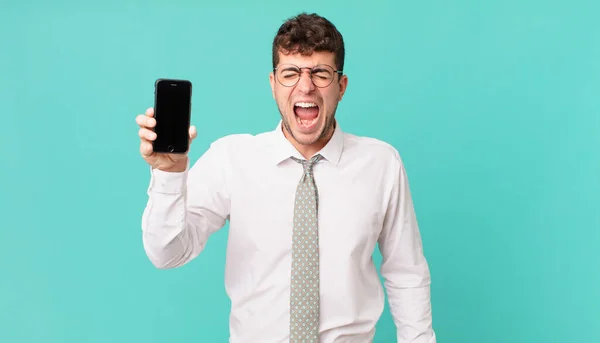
pixel 338 72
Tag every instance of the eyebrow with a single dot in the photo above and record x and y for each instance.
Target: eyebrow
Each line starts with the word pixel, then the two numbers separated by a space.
pixel 290 68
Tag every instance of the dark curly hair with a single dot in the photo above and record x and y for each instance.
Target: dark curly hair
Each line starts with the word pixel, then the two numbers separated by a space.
pixel 308 33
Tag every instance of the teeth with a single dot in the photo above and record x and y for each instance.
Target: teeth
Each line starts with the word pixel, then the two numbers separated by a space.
pixel 306 104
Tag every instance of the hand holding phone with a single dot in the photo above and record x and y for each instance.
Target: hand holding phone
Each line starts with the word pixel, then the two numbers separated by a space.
pixel 165 130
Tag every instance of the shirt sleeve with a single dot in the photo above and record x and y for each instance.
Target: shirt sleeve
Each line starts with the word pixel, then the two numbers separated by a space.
pixel 404 267
pixel 185 208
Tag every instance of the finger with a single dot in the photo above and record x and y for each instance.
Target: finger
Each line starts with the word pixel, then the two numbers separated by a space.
pixel 150 112
pixel 140 119
pixel 193 132
pixel 150 122
pixel 146 149
pixel 147 134
pixel 144 121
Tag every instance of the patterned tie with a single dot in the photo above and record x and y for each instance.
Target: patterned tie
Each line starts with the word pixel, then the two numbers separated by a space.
pixel 304 297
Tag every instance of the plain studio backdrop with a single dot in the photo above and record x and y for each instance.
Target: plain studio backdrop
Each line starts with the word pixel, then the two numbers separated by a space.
pixel 494 107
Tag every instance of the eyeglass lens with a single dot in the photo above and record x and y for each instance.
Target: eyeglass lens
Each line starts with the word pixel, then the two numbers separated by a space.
pixel 321 75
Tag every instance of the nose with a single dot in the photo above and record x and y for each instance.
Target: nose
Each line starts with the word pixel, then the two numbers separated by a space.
pixel 305 84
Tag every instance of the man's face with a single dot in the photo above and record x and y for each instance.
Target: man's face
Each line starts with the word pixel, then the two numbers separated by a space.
pixel 308 111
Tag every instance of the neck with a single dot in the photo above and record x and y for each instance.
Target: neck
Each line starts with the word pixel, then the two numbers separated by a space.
pixel 308 151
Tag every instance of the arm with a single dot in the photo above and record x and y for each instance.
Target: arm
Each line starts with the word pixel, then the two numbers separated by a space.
pixel 403 267
pixel 184 209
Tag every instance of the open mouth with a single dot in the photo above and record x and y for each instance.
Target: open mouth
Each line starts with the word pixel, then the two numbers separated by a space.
pixel 307 114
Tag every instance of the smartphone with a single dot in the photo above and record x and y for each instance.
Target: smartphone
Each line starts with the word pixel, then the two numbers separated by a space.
pixel 172 111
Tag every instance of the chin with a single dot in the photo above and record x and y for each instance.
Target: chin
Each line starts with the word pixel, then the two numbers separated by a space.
pixel 302 131
pixel 315 134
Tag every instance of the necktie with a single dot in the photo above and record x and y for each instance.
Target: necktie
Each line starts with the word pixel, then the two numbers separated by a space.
pixel 304 297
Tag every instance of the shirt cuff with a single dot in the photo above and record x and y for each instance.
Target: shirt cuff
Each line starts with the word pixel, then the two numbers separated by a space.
pixel 167 182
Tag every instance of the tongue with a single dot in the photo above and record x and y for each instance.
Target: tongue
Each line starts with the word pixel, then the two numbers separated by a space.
pixel 307 113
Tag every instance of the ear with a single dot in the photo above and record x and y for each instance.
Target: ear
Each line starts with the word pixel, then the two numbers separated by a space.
pixel 272 82
pixel 343 85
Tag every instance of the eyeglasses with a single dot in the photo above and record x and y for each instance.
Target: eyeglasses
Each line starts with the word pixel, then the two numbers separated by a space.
pixel 321 75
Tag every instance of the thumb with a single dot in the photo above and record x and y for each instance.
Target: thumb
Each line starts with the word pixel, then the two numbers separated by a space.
pixel 193 133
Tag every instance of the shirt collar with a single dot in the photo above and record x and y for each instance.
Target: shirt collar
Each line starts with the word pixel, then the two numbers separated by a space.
pixel 283 149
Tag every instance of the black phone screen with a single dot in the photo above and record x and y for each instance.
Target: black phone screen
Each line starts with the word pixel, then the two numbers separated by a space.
pixel 172 111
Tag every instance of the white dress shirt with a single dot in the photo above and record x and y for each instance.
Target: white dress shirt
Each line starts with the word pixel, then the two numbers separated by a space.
pixel 250 181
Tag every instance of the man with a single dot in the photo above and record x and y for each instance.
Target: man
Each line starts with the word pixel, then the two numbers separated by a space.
pixel 306 204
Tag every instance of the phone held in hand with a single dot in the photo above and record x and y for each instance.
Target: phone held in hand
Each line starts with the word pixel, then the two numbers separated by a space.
pixel 172 111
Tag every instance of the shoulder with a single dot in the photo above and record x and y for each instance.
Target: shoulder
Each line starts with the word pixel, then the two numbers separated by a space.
pixel 235 140
pixel 377 159
pixel 240 144
pixel 238 140
pixel 376 150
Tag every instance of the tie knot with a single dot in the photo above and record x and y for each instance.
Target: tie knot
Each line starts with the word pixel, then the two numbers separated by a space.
pixel 308 164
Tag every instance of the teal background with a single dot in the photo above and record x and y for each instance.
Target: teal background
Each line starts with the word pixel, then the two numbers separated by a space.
pixel 494 106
